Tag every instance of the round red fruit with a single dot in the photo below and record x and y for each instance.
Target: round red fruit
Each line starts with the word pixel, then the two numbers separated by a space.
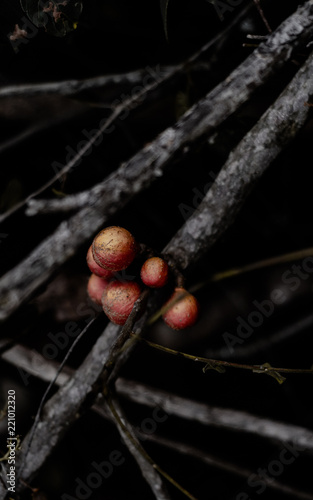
pixel 114 248
pixel 96 287
pixel 154 272
pixel 118 300
pixel 181 310
pixel 95 269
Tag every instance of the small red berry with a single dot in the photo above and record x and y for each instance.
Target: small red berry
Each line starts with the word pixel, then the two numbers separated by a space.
pixel 118 300
pixel 96 287
pixel 184 311
pixel 154 272
pixel 95 269
pixel 114 248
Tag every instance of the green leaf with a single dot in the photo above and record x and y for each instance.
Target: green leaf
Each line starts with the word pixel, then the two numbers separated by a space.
pixel 164 6
pixel 57 17
pixel 213 366
pixel 268 370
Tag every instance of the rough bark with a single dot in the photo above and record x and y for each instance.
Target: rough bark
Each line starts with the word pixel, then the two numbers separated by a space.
pixel 149 164
pixel 142 394
pixel 244 167
pixel 148 471
pixel 64 408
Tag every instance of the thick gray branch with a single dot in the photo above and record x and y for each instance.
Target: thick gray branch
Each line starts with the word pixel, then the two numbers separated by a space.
pixel 223 418
pixel 235 420
pixel 64 407
pixel 244 167
pixel 149 164
pixel 208 113
pixel 219 41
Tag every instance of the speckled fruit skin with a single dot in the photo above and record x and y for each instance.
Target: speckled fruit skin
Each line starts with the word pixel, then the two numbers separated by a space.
pixel 95 269
pixel 118 300
pixel 183 312
pixel 114 248
pixel 96 287
pixel 154 272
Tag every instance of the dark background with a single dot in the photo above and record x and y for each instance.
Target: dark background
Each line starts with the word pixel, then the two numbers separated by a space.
pixel 115 37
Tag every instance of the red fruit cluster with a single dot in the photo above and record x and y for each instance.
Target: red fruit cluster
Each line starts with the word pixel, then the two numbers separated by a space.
pixel 114 249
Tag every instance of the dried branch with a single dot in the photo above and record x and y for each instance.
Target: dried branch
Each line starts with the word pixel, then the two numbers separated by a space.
pixel 66 405
pixel 81 390
pixel 147 468
pixel 265 21
pixel 223 418
pixel 146 463
pixel 33 363
pixel 218 42
pixel 233 183
pixel 208 113
pixel 180 407
pixel 220 365
pixel 116 81
pixel 124 345
pixel 70 87
pixel 44 397
pixel 260 264
pixel 278 126
pixel 64 408
pixel 212 461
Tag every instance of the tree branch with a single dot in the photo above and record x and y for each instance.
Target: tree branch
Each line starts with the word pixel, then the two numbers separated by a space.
pixel 212 461
pixel 70 87
pixel 224 418
pixel 147 468
pixel 217 42
pixel 64 408
pixel 275 129
pixel 209 112
pixel 180 407
pixel 232 186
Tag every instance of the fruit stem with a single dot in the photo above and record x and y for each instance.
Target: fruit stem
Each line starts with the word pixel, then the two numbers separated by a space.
pixel 264 368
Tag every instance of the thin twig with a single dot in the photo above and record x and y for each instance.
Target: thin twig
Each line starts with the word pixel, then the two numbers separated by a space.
pixel 70 87
pixel 64 408
pixel 141 450
pixel 220 365
pixel 148 469
pixel 265 21
pixel 178 406
pixel 232 468
pixel 48 389
pixel 260 264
